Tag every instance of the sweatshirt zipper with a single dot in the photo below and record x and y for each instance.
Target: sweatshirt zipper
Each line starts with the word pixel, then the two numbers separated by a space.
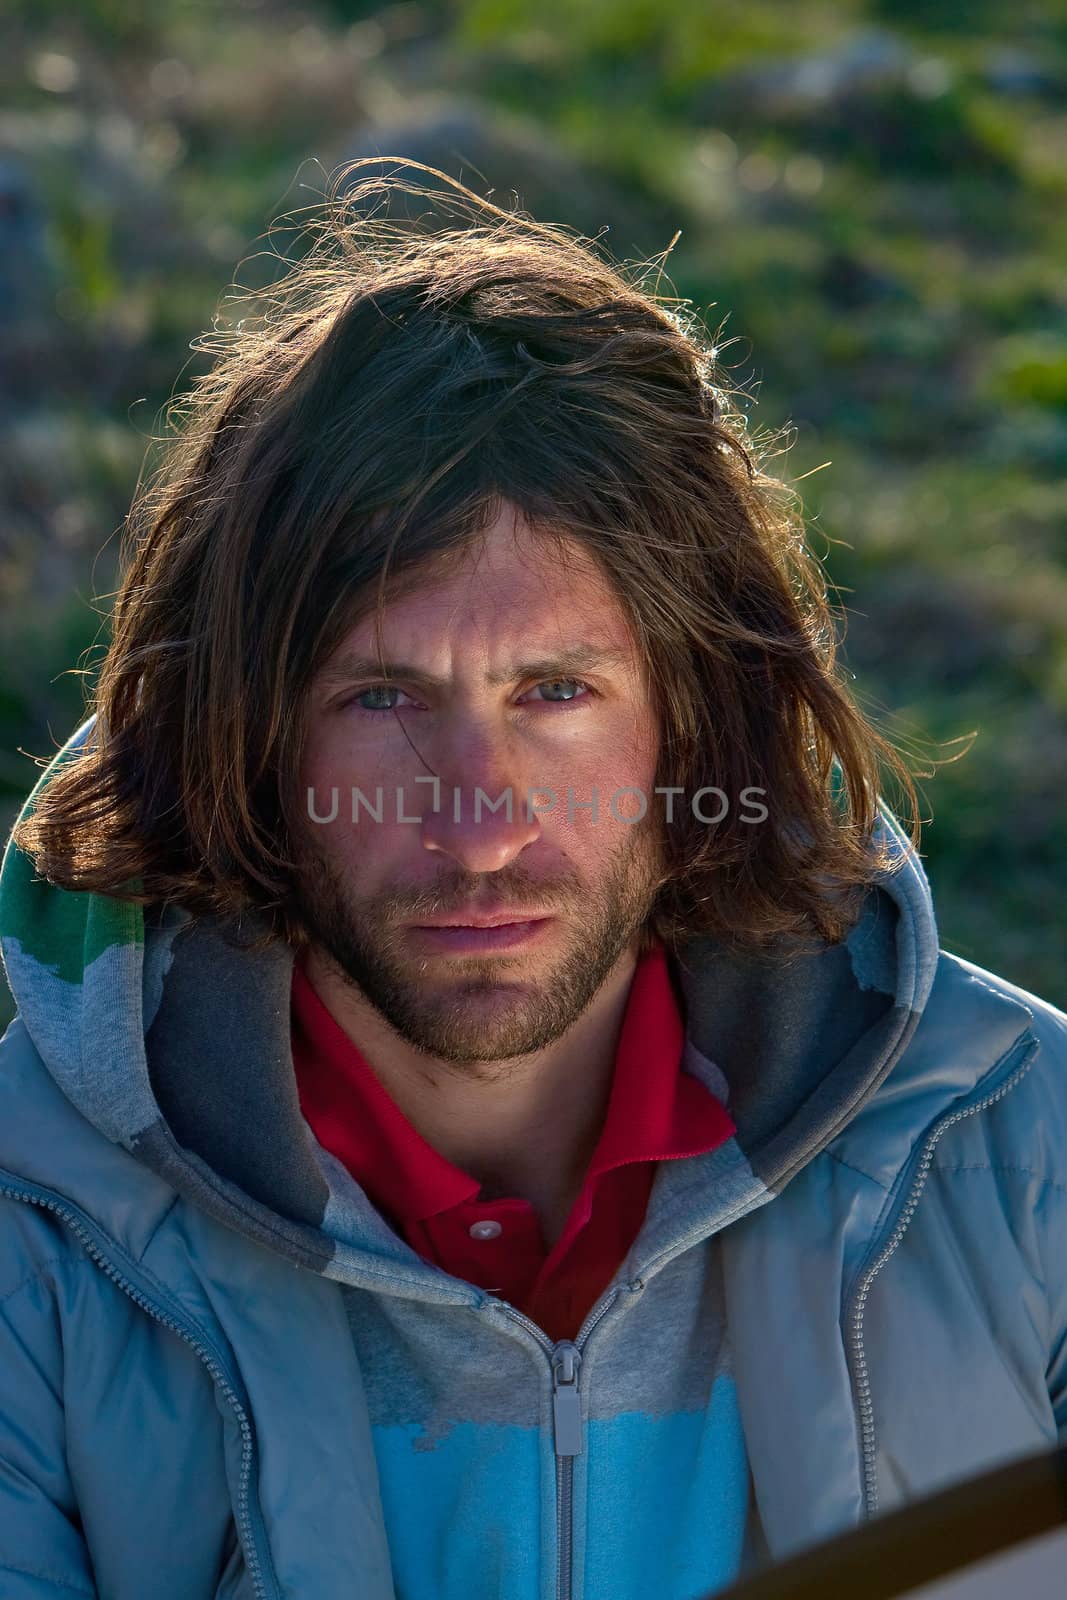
pixel 568 1432
pixel 569 1440
pixel 263 1583
pixel 858 1360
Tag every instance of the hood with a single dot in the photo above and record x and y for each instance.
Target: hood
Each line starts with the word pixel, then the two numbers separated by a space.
pixel 171 1040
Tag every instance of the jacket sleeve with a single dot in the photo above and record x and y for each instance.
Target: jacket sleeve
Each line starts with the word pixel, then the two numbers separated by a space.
pixel 42 1553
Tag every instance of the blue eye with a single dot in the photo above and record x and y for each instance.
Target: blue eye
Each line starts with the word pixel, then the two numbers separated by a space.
pixel 576 690
pixel 378 696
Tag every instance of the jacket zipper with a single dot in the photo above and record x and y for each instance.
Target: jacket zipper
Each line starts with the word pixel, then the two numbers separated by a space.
pixel 568 1435
pixel 569 1441
pixel 263 1585
pixel 861 1374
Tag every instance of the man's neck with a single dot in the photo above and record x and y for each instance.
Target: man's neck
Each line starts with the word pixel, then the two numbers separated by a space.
pixel 523 1128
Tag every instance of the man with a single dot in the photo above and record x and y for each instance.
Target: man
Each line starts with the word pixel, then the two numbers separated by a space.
pixel 488 1115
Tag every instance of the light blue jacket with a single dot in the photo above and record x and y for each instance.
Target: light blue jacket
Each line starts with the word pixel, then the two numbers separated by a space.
pixel 222 1374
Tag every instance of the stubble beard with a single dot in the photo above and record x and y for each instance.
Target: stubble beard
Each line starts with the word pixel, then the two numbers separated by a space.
pixel 479 1008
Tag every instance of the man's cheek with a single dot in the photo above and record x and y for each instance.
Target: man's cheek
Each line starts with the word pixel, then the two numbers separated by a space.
pixel 607 806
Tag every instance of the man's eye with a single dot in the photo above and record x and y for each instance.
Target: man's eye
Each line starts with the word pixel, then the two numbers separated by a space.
pixel 560 689
pixel 379 697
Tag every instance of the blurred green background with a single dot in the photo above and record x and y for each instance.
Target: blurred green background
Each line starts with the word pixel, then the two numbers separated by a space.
pixel 873 193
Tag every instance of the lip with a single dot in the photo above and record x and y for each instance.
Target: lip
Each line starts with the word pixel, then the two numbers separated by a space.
pixel 474 918
pixel 480 937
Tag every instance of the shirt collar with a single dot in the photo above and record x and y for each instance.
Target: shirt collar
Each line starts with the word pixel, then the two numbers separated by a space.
pixel 655 1111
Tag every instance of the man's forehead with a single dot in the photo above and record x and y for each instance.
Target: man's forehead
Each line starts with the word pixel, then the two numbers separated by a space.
pixel 499 610
pixel 530 575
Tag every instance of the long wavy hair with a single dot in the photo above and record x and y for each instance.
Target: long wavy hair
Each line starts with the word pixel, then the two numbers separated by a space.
pixel 366 415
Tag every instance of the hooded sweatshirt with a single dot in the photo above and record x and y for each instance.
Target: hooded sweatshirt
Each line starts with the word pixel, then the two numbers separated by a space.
pixel 790 1344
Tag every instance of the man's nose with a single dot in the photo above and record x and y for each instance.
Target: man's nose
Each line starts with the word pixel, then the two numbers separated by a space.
pixel 485 813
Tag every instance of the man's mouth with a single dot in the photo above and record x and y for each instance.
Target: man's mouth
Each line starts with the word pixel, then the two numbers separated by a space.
pixel 481 917
pixel 474 932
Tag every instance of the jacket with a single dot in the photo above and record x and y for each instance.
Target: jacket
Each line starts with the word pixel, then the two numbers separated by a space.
pixel 222 1374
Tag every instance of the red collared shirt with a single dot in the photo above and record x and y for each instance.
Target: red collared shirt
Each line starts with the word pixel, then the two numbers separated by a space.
pixel 655 1113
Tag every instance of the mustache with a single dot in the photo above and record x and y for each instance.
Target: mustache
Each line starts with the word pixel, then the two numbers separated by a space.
pixel 457 891
pixel 453 890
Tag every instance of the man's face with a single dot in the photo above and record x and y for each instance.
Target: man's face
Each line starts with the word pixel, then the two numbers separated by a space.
pixel 513 673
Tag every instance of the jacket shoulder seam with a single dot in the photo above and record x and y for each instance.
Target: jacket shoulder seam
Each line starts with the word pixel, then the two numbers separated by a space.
pixel 1000 995
pixel 1047 1021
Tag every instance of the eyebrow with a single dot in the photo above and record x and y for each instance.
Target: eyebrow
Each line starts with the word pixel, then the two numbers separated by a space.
pixel 352 668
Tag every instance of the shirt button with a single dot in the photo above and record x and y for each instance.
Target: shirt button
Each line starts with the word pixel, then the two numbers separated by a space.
pixel 485 1230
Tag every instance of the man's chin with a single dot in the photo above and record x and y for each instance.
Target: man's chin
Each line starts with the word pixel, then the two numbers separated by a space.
pixel 473 1017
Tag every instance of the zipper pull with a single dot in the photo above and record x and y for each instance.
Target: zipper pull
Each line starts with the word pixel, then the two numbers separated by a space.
pixel 566 1402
